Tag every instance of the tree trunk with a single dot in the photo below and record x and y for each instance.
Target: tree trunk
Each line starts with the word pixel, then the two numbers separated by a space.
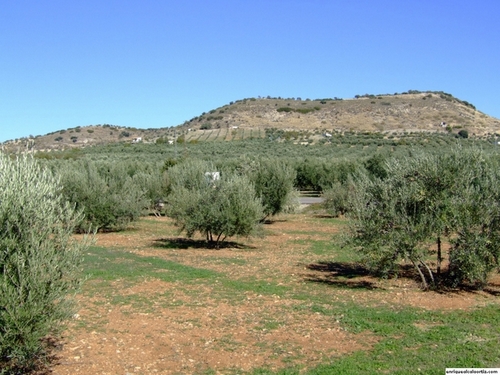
pixel 439 258
pixel 422 276
pixel 217 243
pixel 430 272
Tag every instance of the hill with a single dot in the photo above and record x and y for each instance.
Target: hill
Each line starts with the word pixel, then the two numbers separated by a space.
pixel 412 111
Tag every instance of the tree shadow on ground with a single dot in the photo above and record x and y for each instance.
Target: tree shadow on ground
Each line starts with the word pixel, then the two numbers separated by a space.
pixel 188 243
pixel 345 275
pixel 493 289
pixel 356 276
pixel 352 275
pixel 272 221
pixel 490 288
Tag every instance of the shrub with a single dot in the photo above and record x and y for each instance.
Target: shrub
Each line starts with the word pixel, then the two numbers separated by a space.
pixel 161 140
pixel 39 262
pixel 304 110
pixel 463 133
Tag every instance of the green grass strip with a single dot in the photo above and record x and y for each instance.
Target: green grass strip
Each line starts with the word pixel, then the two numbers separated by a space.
pixel 106 264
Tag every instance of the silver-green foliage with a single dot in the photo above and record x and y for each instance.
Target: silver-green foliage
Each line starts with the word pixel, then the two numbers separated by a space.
pixel 425 198
pixel 273 180
pixel 216 208
pixel 476 221
pixel 336 198
pixel 110 195
pixel 39 261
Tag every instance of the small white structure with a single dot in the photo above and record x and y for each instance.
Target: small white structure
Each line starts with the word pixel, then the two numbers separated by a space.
pixel 212 177
pixel 137 140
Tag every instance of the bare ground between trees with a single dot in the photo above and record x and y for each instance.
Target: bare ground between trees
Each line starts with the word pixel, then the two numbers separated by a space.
pixel 152 326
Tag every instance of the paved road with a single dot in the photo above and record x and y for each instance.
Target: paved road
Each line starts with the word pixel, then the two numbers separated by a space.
pixel 310 200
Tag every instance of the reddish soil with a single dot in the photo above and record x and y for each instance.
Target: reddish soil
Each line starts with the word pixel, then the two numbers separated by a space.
pixel 172 328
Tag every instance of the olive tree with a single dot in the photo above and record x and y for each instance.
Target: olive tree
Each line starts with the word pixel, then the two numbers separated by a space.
pixel 336 198
pixel 108 193
pixel 39 261
pixel 423 199
pixel 475 251
pixel 273 182
pixel 215 207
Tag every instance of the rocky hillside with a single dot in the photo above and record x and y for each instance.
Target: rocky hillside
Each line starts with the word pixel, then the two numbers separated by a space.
pixel 407 112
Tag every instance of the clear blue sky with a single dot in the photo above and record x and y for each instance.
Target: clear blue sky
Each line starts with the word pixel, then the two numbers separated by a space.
pixel 154 63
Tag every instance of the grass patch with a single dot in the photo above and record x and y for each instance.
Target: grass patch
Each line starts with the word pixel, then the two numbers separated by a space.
pixel 269 324
pixel 111 264
pixel 104 265
pixel 448 339
pixel 323 219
